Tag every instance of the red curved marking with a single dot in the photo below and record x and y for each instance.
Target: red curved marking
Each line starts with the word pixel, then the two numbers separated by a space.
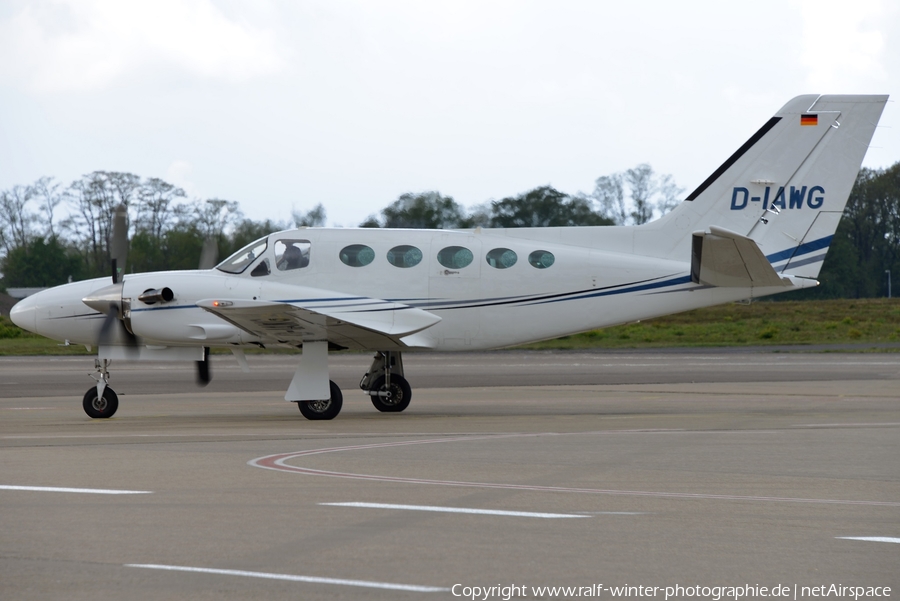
pixel 277 462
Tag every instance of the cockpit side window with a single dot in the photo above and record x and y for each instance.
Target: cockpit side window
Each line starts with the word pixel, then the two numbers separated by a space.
pixel 240 260
pixel 261 269
pixel 291 254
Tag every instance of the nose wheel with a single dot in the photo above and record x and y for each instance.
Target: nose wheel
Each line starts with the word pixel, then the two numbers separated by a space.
pixel 100 401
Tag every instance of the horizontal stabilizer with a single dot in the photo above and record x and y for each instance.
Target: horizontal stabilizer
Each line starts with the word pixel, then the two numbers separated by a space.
pixel 724 258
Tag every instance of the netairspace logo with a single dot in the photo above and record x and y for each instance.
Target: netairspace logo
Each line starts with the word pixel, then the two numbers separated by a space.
pixel 714 593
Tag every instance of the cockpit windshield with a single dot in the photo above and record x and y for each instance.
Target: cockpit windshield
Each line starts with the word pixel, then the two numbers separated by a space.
pixel 240 260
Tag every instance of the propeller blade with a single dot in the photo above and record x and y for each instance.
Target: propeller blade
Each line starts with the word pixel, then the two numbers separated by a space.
pixel 108 329
pixel 204 370
pixel 113 332
pixel 209 256
pixel 118 243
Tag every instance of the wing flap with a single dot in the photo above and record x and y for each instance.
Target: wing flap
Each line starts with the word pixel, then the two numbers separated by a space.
pixel 349 327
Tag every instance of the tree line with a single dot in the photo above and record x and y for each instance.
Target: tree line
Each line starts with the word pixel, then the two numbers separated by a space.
pixel 167 230
pixel 866 244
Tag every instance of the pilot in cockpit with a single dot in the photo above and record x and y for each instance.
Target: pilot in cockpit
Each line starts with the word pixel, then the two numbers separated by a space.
pixel 293 258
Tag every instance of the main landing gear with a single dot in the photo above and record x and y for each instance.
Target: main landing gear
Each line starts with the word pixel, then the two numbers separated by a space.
pixel 384 382
pixel 327 409
pixel 100 401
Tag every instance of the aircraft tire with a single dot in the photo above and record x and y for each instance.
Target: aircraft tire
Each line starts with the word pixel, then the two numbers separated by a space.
pixel 100 407
pixel 327 409
pixel 401 395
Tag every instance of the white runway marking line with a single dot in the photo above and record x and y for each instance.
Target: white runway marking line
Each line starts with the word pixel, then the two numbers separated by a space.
pixel 295 578
pixel 520 514
pixel 614 512
pixel 876 539
pixel 93 491
pixel 848 424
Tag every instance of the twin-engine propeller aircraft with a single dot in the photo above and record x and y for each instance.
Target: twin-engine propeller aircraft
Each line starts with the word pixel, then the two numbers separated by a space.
pixel 759 225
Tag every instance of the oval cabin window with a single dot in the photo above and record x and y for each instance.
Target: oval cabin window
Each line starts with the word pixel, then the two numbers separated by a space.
pixel 404 256
pixel 357 255
pixel 542 259
pixel 455 257
pixel 502 258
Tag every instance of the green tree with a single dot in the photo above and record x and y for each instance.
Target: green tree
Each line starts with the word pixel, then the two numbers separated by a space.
pixel 425 210
pixel 315 217
pixel 41 263
pixel 183 245
pixel 544 207
pixel 371 221
pixel 247 231
pixel 179 248
pixel 867 240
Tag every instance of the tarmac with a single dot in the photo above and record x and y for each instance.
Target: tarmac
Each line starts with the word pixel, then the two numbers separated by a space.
pixel 595 470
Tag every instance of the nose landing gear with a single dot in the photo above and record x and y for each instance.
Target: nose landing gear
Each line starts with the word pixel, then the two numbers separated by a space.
pixel 100 401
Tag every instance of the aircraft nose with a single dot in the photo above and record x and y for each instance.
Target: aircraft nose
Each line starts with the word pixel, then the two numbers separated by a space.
pixel 23 314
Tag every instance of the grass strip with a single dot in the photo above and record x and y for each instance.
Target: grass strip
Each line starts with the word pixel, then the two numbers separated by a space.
pixel 766 323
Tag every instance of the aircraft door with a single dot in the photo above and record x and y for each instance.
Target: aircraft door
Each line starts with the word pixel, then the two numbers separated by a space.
pixel 455 265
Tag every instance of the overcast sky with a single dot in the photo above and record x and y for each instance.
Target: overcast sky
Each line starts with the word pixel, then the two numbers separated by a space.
pixel 284 104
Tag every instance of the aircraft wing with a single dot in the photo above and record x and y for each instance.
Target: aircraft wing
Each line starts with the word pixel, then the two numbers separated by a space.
pixel 353 326
pixel 721 257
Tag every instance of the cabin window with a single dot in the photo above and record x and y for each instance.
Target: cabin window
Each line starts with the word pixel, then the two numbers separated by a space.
pixel 404 256
pixel 240 260
pixel 291 254
pixel 261 269
pixel 357 255
pixel 542 259
pixel 455 257
pixel 502 258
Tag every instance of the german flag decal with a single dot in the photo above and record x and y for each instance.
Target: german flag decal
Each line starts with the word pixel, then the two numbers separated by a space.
pixel 809 119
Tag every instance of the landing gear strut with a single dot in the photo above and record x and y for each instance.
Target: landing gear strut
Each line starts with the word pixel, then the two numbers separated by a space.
pixel 100 401
pixel 385 384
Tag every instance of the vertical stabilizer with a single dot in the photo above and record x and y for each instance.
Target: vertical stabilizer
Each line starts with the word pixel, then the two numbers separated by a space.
pixel 785 188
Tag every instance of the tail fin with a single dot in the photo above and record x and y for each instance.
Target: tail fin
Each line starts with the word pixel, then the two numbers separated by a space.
pixel 785 188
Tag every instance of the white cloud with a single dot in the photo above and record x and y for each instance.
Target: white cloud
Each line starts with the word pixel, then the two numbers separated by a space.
pixel 86 45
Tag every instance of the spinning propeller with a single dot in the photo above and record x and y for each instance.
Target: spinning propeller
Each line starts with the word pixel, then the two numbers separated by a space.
pixel 116 329
pixel 208 258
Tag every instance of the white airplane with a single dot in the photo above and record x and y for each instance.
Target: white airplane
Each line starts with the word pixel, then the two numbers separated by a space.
pixel 759 225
